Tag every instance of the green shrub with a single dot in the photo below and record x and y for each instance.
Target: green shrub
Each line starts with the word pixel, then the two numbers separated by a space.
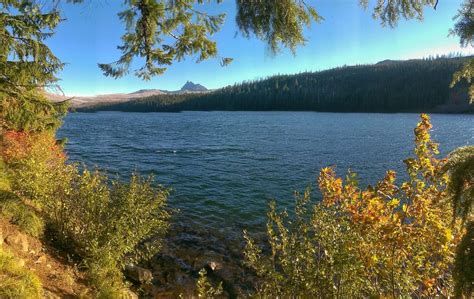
pixel 307 257
pixel 104 275
pixel 205 289
pixel 16 281
pixel 101 219
pixel 110 216
pixel 86 212
pixel 13 209
pixel 110 223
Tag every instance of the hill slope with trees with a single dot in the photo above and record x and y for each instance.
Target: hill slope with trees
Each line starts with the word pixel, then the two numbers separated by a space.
pixel 388 86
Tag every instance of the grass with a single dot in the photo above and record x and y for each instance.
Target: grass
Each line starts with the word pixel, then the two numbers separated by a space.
pixel 4 182
pixel 15 211
pixel 16 281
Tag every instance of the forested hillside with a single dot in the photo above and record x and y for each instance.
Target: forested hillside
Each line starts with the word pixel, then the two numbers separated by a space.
pixel 388 86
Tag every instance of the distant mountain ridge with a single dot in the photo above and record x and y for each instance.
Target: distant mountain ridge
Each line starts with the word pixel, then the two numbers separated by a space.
pixel 417 85
pixel 105 99
pixel 142 91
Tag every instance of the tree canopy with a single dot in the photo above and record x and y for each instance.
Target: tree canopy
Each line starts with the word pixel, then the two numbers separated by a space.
pixel 464 29
pixel 26 62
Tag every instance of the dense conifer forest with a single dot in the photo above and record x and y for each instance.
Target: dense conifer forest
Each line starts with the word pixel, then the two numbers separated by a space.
pixel 388 86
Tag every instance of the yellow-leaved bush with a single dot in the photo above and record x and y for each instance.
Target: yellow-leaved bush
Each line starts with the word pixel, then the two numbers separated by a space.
pixel 389 240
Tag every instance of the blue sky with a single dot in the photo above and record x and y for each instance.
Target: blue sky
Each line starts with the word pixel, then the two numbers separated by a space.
pixel 347 36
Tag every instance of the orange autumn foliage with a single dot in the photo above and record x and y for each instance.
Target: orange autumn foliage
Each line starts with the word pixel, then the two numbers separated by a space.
pixel 36 164
pixel 18 145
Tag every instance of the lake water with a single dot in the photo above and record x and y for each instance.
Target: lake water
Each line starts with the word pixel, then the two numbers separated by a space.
pixel 224 167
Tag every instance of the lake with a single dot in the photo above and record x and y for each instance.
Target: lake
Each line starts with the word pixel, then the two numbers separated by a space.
pixel 224 167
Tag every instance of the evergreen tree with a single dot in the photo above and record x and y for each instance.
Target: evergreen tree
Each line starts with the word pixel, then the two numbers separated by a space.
pixel 464 29
pixel 26 62
pixel 27 65
pixel 161 32
pixel 460 167
pixel 276 22
pixel 389 12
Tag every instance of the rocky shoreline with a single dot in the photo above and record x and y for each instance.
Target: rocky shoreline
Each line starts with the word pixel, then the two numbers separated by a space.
pixel 186 251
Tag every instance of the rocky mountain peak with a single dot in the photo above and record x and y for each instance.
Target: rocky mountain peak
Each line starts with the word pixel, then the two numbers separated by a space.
pixel 190 86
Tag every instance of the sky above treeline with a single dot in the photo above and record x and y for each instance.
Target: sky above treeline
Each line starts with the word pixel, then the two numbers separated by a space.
pixel 347 36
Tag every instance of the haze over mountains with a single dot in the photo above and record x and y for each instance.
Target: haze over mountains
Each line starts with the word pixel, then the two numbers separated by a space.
pixel 83 101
